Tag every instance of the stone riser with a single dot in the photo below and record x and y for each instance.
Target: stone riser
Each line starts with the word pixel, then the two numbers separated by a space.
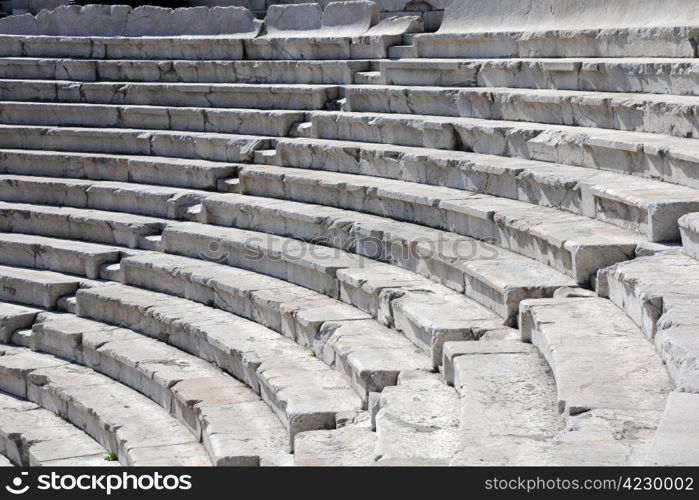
pixel 111 228
pixel 137 199
pixel 666 76
pixel 514 225
pixel 671 115
pixel 175 144
pixel 474 268
pixel 269 123
pixel 268 97
pixel 183 71
pixel 107 411
pixel 220 416
pixel 182 173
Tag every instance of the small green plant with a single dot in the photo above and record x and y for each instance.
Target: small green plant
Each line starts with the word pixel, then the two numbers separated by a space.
pixel 111 457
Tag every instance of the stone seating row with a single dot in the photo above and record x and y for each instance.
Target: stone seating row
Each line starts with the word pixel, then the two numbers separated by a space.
pixel 269 97
pixel 241 108
pixel 654 113
pixel 183 71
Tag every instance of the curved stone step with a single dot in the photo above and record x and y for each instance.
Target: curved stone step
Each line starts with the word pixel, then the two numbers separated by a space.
pixel 185 71
pixel 659 294
pixel 652 113
pixel 624 74
pixel 161 171
pixel 313 46
pixel 230 121
pixel 305 393
pixel 572 244
pixel 124 422
pixel 427 313
pixel 234 425
pixel 15 317
pixel 97 226
pixel 508 403
pixel 580 338
pixel 63 256
pixel 192 145
pixel 673 159
pixel 492 276
pixel 101 47
pixel 35 288
pixel 140 199
pixel 205 95
pixel 31 437
pixel 367 353
pixel 605 370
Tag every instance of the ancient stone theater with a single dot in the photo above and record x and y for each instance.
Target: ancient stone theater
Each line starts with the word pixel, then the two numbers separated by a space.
pixel 391 232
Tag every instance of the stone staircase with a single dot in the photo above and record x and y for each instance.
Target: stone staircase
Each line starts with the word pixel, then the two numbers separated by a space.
pixel 311 243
